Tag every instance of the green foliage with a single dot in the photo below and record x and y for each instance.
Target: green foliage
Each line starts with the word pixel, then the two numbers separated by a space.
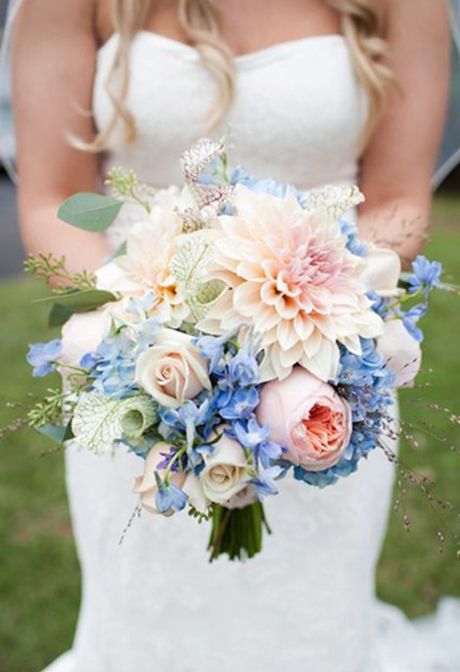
pixel 49 268
pixel 199 516
pixel 76 302
pixel 47 411
pixel 99 420
pixel 90 212
pixel 189 267
pixel 125 185
pixel 71 292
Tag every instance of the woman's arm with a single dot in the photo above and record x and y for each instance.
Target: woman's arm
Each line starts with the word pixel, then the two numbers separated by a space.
pixel 399 163
pixel 54 56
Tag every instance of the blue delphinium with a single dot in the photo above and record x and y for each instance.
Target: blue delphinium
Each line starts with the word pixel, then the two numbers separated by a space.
pixel 243 369
pixel 365 382
pixel 264 482
pixel 425 276
pixel 43 357
pixel 410 320
pixel 353 244
pixel 212 349
pixel 238 404
pixel 250 434
pixel 174 459
pixel 145 333
pixel 169 497
pixel 140 306
pixel 379 303
pixel 193 420
pixel 255 438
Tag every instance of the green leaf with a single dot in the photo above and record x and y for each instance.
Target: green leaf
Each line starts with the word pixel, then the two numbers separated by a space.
pixel 59 315
pixel 90 212
pixel 57 433
pixel 99 420
pixel 75 301
pixel 120 251
pixel 80 298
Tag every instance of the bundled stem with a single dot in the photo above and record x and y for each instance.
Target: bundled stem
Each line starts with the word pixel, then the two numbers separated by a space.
pixel 237 533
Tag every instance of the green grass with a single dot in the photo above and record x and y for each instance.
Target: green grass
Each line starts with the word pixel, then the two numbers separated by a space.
pixel 39 576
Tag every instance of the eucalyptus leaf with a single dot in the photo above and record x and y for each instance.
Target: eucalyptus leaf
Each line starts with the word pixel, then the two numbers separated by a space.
pixel 80 298
pixel 59 315
pixel 120 251
pixel 90 212
pixel 79 301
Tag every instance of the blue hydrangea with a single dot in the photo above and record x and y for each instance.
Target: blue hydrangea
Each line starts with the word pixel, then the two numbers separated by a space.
pixel 43 357
pixel 365 383
pixel 267 186
pixel 112 366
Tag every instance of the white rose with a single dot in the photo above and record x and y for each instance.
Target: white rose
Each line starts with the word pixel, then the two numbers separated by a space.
pixel 82 333
pixel 401 352
pixel 382 270
pixel 244 498
pixel 146 485
pixel 172 370
pixel 194 490
pixel 225 472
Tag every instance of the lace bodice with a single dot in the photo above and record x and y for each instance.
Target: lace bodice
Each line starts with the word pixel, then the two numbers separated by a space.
pixel 297 115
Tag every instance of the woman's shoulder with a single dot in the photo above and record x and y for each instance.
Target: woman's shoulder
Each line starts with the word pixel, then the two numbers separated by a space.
pixel 48 17
pixel 103 22
pixel 414 17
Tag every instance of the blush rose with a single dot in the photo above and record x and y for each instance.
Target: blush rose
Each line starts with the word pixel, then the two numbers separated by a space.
pixel 308 418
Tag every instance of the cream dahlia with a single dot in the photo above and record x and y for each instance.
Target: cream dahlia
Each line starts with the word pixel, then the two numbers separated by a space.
pixel 150 246
pixel 290 277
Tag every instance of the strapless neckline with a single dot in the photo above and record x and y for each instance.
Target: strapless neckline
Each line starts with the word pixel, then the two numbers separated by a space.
pixel 259 56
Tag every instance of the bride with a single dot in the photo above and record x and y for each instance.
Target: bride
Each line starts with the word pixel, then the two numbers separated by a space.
pixel 314 92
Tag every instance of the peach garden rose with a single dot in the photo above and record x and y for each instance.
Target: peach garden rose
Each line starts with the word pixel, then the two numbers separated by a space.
pixel 308 418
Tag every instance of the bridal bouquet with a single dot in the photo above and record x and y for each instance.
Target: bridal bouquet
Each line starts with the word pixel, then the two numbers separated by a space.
pixel 241 335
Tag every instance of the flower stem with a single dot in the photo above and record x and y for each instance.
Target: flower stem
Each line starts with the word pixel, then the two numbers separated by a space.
pixel 237 533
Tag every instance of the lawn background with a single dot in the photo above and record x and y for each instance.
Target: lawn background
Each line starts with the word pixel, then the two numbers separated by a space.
pixel 39 576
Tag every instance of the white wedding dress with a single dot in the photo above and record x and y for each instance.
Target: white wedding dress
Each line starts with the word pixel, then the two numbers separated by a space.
pixel 307 603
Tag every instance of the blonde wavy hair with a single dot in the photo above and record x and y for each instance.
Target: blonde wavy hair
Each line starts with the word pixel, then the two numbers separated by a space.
pixel 199 19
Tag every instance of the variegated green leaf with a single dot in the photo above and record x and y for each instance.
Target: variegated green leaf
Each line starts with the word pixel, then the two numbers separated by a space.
pixel 335 200
pixel 189 266
pixel 99 421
